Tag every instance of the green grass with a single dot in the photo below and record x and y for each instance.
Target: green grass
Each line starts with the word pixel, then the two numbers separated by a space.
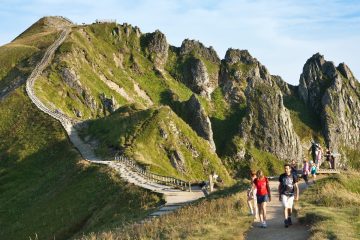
pixel 221 216
pixel 331 207
pixel 307 123
pixel 46 190
pixel 138 132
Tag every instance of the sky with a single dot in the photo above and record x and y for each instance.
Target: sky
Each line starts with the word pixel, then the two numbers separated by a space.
pixel 281 34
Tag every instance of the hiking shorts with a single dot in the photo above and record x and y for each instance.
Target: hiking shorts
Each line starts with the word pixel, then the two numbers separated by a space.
pixel 287 201
pixel 262 198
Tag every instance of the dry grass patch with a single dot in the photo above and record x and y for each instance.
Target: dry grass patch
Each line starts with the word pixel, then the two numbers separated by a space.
pixel 221 216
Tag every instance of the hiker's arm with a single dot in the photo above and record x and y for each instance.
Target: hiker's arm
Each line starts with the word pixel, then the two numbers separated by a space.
pixel 296 192
pixel 268 189
pixel 279 191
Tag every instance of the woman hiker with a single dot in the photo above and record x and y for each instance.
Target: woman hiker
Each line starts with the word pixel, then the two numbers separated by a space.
pixel 261 183
pixel 251 196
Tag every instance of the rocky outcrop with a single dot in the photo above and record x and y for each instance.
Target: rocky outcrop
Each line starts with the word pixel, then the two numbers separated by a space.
pixel 199 121
pixel 267 124
pixel 200 68
pixel 158 48
pixel 199 80
pixel 109 104
pixel 236 70
pixel 334 93
pixel 177 161
pixel 195 47
pixel 72 80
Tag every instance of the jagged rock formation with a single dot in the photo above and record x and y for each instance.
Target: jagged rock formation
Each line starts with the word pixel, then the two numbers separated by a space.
pixel 334 93
pixel 236 69
pixel 158 48
pixel 267 124
pixel 199 120
pixel 196 66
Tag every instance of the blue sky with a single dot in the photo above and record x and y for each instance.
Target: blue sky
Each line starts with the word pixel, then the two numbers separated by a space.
pixel 281 34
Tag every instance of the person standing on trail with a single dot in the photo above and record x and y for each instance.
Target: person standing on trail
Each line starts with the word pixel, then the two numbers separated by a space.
pixel 313 150
pixel 313 170
pixel 288 192
pixel 319 154
pixel 251 197
pixel 293 167
pixel 263 195
pixel 306 171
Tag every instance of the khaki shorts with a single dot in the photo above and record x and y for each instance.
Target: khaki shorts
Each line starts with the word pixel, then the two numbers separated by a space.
pixel 287 201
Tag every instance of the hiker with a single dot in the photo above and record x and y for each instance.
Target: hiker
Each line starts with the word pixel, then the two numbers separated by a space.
pixel 261 183
pixel 313 149
pixel 293 167
pixel 306 171
pixel 313 170
pixel 319 153
pixel 288 192
pixel 330 158
pixel 251 197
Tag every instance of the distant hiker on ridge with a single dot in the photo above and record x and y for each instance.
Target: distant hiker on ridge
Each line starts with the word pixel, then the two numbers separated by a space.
pixel 287 189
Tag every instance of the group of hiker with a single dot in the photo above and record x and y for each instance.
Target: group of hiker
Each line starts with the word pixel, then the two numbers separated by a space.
pixel 259 194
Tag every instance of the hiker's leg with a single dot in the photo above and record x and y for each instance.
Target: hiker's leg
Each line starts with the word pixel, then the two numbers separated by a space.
pixel 284 203
pixel 263 206
pixel 260 213
pixel 249 202
pixel 256 209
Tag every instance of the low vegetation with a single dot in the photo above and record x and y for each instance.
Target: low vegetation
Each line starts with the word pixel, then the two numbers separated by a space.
pixel 223 215
pixel 150 137
pixel 47 190
pixel 332 207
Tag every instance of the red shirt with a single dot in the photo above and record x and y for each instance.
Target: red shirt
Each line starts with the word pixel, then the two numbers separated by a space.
pixel 261 188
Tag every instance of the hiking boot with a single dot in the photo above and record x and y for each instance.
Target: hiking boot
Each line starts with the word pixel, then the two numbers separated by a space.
pixel 289 221
pixel 286 223
pixel 263 225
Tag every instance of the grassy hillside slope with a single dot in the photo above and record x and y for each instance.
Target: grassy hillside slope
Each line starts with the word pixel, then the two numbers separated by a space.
pixel 221 216
pixel 47 190
pixel 151 137
pixel 332 207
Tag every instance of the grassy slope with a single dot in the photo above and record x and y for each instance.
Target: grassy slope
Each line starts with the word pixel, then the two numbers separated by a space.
pixel 307 124
pixel 139 132
pixel 332 207
pixel 221 216
pixel 18 57
pixel 46 189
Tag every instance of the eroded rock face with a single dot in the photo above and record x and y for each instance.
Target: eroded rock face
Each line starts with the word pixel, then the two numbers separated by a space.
pixel 199 81
pixel 199 120
pixel 196 73
pixel 236 70
pixel 157 45
pixel 71 79
pixel 109 104
pixel 267 123
pixel 334 93
pixel 178 161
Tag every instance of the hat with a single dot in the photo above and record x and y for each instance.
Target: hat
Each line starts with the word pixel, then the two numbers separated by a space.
pixel 311 162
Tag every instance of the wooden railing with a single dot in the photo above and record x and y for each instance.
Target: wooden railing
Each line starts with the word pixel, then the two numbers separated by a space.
pixel 170 181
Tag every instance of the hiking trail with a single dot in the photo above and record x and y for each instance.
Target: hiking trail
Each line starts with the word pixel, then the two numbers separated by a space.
pixel 275 220
pixel 174 198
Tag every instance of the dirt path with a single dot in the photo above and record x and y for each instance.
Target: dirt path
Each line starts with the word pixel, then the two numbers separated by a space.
pixel 275 221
